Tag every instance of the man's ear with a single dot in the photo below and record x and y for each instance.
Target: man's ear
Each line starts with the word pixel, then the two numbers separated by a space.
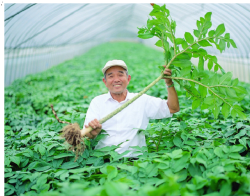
pixel 129 78
pixel 104 81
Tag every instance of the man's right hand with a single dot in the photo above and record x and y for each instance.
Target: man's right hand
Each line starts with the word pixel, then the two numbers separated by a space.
pixel 97 127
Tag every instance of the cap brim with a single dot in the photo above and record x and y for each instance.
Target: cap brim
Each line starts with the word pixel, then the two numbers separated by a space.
pixel 106 68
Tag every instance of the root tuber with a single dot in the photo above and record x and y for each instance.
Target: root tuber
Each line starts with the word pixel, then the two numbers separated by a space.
pixel 72 135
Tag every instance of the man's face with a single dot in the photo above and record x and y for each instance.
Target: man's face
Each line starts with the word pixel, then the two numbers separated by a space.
pixel 116 80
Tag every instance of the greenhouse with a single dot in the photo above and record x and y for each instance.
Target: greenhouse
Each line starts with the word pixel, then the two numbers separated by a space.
pixel 176 122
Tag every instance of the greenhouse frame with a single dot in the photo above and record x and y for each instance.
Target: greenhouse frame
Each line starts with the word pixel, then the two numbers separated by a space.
pixel 126 99
pixel 38 36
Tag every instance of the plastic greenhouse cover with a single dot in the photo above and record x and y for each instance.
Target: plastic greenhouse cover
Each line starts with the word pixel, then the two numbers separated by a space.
pixel 40 25
pixel 40 35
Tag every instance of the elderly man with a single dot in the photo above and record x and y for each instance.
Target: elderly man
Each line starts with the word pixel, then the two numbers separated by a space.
pixel 125 125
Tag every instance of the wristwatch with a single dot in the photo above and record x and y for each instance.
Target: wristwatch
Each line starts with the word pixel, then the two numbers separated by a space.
pixel 171 85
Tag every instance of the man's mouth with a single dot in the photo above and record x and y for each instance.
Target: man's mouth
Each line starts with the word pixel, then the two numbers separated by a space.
pixel 116 85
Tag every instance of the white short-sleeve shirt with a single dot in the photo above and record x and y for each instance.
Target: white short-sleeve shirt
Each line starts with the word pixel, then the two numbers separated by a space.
pixel 125 124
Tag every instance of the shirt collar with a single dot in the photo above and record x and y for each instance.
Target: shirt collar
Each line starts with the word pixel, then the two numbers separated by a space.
pixel 128 97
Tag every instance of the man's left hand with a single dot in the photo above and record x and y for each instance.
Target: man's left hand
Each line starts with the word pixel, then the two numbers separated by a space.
pixel 169 73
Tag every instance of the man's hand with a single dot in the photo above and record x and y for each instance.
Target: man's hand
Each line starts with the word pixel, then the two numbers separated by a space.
pixel 97 127
pixel 173 102
pixel 169 73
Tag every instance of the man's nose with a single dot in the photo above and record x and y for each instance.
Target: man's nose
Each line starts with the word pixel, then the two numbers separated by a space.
pixel 116 79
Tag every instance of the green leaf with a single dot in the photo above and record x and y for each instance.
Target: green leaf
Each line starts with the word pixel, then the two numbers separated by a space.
pixel 143 165
pixel 225 110
pixel 111 172
pixel 28 153
pixel 185 71
pixel 227 36
pixel 179 41
pixel 201 158
pixel 182 63
pixel 231 92
pixel 197 33
pixel 238 110
pixel 211 33
pixel 69 165
pixel 41 185
pixel 184 44
pixel 115 188
pixel 210 64
pixel 196 103
pixel 194 170
pixel 57 162
pixel 207 25
pixel 204 43
pixel 195 46
pixel 184 56
pixel 232 43
pixel 164 9
pixel 226 78
pixel 199 25
pixel 42 179
pixel 41 149
pixel 152 170
pixel 145 35
pixel 236 148
pixel 222 45
pixel 240 89
pixel 63 155
pixel 177 153
pixel 209 100
pixel 225 189
pixel 218 151
pixel 234 155
pixel 203 91
pixel 189 38
pixel 15 159
pixel 159 43
pixel 208 16
pixel 235 82
pixel 216 67
pixel 201 64
pixel 177 141
pixel 149 24
pixel 216 111
pixel 220 30
pixel 181 163
pixel 240 134
pixel 41 168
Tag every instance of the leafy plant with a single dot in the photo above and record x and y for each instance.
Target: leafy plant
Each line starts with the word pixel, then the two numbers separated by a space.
pixel 218 92
pixel 196 155
pixel 212 91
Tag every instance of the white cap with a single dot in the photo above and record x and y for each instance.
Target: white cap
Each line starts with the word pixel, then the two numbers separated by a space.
pixel 114 63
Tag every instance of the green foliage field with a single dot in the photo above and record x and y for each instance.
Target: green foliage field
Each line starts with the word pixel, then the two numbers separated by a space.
pixel 189 154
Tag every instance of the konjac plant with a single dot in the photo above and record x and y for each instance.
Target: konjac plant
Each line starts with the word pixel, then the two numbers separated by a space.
pixel 216 92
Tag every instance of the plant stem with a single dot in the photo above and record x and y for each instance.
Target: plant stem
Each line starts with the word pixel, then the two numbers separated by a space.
pixel 159 140
pixel 155 145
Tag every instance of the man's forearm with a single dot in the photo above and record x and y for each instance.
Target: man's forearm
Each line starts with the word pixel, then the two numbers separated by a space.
pixel 173 102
